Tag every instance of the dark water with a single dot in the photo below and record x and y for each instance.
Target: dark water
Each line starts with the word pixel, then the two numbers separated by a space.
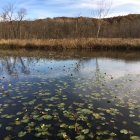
pixel 69 95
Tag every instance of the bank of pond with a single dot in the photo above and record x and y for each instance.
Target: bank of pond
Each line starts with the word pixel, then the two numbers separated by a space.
pixel 66 44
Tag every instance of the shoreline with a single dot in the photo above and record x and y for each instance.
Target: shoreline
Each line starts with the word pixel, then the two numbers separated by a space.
pixel 81 43
pixel 72 54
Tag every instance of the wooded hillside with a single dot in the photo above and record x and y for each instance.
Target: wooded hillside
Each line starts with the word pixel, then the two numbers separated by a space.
pixel 63 27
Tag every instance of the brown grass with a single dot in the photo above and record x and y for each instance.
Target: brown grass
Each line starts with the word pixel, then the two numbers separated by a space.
pixel 82 43
pixel 72 54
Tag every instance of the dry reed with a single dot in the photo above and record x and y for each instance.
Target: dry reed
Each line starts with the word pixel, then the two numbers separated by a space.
pixel 82 43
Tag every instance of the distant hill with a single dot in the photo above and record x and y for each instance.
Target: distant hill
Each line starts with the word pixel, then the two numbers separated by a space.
pixel 117 19
pixel 68 27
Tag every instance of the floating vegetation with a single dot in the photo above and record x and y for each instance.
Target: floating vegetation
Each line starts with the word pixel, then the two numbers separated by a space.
pixel 49 103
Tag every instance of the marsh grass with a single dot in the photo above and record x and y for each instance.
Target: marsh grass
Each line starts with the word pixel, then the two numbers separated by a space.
pixel 82 43
pixel 76 54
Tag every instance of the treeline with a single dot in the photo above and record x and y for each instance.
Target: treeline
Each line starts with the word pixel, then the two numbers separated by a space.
pixel 81 27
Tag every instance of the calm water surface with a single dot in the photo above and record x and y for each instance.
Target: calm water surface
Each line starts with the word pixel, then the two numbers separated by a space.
pixel 75 95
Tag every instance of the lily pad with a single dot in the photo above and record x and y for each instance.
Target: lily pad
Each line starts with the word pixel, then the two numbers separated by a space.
pixel 124 131
pixel 21 134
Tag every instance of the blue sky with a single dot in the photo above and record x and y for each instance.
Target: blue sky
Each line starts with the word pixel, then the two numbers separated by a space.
pixel 71 8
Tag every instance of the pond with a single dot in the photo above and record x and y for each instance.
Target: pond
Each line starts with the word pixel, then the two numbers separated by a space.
pixel 69 95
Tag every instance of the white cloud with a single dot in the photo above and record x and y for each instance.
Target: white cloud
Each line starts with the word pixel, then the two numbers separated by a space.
pixel 51 8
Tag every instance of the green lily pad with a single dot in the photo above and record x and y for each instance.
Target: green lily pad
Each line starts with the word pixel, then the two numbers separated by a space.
pixel 21 134
pixel 86 111
pixel 7 138
pixel 124 131
pixel 80 137
pixel 134 138
pixel 47 117
pixel 85 131
pixel 8 128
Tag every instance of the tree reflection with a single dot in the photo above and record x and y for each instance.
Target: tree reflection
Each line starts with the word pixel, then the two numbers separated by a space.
pixel 14 66
pixel 24 68
pixel 97 71
pixel 81 64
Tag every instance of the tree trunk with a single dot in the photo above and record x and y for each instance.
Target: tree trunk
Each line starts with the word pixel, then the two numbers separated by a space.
pixel 98 30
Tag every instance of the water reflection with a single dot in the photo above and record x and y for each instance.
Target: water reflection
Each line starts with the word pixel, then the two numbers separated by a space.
pixel 94 68
pixel 84 66
pixel 14 66
pixel 75 95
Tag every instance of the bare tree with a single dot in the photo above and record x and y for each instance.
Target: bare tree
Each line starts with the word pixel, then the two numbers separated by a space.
pixel 13 17
pixel 3 16
pixel 103 8
pixel 8 12
pixel 7 16
pixel 21 13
